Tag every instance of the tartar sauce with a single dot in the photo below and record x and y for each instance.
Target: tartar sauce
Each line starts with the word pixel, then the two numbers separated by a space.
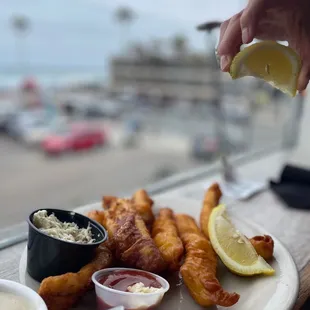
pixel 141 288
pixel 52 226
pixel 10 301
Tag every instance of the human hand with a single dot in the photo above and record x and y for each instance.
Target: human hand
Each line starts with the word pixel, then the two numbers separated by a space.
pixel 276 20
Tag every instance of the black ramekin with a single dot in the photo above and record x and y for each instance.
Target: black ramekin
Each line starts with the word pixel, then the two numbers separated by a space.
pixel 48 256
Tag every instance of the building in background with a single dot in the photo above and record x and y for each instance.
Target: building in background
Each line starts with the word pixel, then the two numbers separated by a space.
pixel 188 80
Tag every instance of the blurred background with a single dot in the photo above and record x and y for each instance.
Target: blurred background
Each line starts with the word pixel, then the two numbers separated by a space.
pixel 102 97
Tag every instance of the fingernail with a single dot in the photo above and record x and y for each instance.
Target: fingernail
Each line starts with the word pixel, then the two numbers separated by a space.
pixel 245 35
pixel 224 63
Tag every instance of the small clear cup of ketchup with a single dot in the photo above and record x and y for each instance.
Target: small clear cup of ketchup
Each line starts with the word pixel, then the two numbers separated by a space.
pixel 131 288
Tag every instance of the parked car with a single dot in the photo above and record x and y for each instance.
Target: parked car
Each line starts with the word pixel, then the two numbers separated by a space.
pixel 89 108
pixel 30 129
pixel 34 135
pixel 7 112
pixel 111 108
pixel 94 111
pixel 209 147
pixel 26 129
pixel 205 147
pixel 73 138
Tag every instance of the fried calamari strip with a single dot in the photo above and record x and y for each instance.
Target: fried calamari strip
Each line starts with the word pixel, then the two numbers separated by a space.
pixel 107 201
pixel 100 217
pixel 133 244
pixel 143 204
pixel 263 245
pixel 166 238
pixel 210 201
pixel 97 215
pixel 199 268
pixel 62 292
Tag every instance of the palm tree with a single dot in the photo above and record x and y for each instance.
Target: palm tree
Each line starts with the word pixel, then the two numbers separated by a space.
pixel 124 16
pixel 179 46
pixel 20 25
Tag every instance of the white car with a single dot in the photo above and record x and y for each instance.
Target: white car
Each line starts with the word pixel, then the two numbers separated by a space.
pixel 31 130
pixel 7 111
pixel 34 135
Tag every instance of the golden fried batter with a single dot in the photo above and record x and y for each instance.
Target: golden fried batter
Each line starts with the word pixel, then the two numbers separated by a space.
pixel 100 217
pixel 133 244
pixel 166 237
pixel 140 201
pixel 199 268
pixel 62 292
pixel 263 245
pixel 97 215
pixel 107 201
pixel 143 204
pixel 211 200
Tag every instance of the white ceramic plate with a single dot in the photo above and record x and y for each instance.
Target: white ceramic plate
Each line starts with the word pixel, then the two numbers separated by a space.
pixel 257 293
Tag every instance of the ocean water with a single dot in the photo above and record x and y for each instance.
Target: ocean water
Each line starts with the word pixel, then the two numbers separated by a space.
pixel 74 40
pixel 49 78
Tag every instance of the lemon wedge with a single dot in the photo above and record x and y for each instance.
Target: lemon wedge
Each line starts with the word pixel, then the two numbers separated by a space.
pixel 233 248
pixel 277 64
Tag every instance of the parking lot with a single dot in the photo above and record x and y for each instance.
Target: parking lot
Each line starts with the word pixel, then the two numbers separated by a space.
pixel 29 180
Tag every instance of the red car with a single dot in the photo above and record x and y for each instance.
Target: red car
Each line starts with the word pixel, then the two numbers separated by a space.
pixel 73 139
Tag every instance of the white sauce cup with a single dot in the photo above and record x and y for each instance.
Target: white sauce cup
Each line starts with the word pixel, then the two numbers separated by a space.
pixel 134 301
pixel 34 299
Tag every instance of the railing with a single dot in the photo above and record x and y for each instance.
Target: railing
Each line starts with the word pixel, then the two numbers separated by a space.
pixel 18 233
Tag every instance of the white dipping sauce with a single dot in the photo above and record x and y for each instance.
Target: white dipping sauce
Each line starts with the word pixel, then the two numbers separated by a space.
pixel 10 301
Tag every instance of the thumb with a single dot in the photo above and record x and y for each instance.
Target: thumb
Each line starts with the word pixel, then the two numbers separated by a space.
pixel 250 18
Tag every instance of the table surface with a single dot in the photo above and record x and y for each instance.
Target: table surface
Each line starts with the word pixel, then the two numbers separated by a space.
pixel 290 226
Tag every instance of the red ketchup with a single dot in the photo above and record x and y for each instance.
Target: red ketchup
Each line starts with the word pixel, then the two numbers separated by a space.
pixel 120 280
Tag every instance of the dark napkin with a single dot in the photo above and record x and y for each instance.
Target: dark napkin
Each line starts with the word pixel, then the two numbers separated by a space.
pixel 293 188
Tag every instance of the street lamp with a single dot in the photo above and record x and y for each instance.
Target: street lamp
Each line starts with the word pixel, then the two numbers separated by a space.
pixel 239 187
pixel 209 27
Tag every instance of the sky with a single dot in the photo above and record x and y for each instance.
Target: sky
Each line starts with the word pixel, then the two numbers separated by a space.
pixel 184 11
pixel 83 32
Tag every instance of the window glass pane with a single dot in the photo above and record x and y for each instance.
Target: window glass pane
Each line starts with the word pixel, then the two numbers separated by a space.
pixel 143 83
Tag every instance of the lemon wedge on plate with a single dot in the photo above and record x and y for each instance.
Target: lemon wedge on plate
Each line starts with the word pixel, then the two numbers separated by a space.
pixel 233 248
pixel 275 63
